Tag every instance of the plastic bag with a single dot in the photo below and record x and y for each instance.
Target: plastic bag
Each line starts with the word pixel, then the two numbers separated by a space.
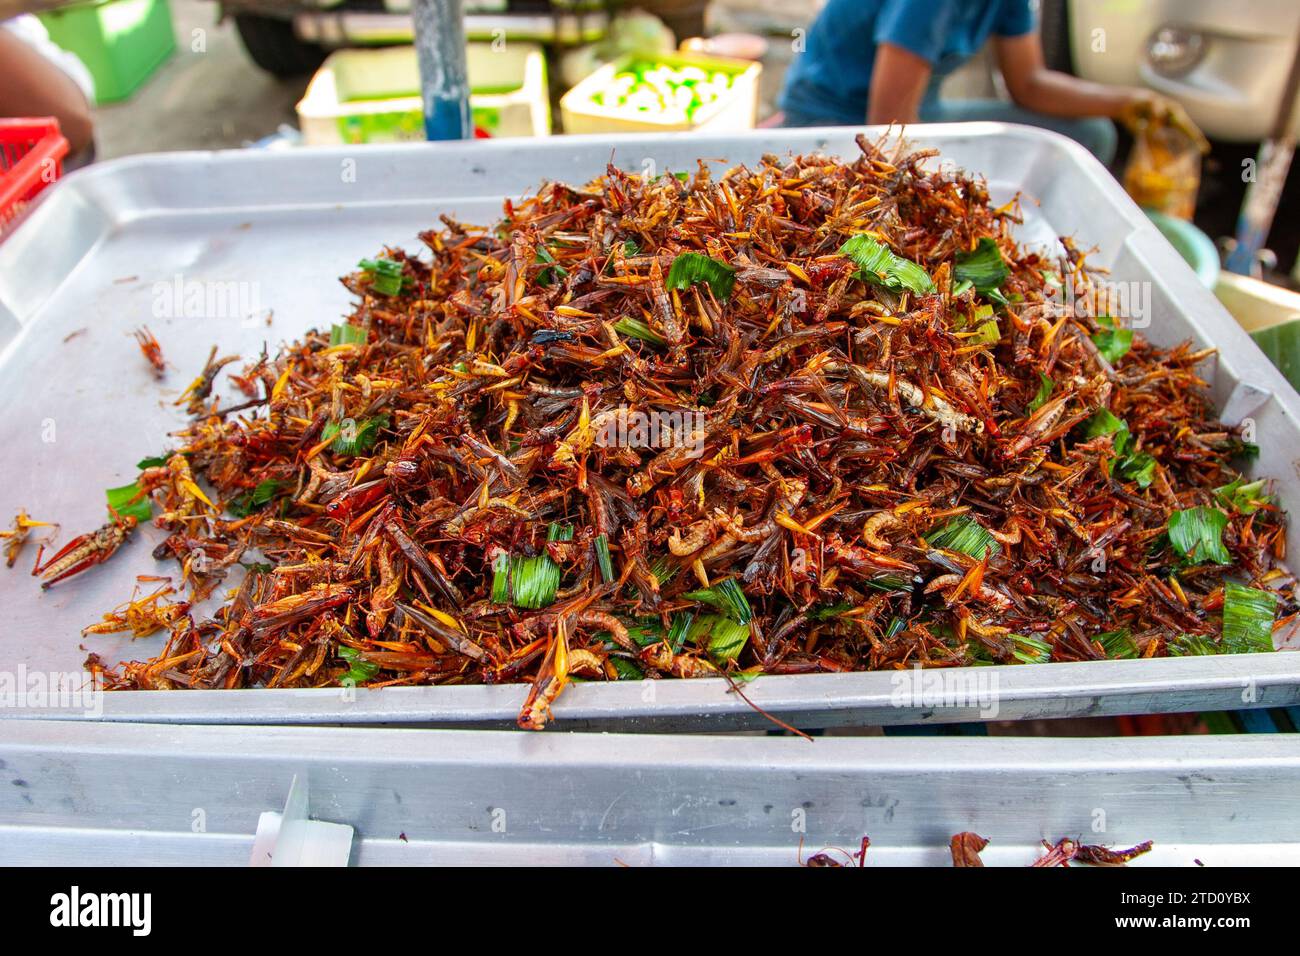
pixel 1164 169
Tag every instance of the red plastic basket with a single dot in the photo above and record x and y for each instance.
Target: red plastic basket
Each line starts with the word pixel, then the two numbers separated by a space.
pixel 31 157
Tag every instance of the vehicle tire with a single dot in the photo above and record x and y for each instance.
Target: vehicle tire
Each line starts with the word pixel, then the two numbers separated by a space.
pixel 272 45
pixel 1054 19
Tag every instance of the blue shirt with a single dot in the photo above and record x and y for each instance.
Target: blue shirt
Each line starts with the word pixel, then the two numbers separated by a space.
pixel 832 78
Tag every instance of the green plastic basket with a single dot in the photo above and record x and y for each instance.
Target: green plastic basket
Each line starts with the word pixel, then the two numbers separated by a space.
pixel 121 42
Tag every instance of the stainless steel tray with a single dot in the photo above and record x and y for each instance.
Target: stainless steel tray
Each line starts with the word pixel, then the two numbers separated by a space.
pixel 136 794
pixel 100 250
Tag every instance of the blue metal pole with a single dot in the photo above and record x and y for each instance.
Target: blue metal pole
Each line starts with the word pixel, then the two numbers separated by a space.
pixel 444 79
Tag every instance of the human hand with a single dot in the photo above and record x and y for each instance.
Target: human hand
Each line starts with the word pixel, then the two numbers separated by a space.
pixel 1142 107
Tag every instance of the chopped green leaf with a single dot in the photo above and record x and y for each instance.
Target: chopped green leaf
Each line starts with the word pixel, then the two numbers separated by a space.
pixel 360 671
pixel 1137 466
pixel 889 582
pixel 347 335
pixel 552 272
pixel 679 629
pixel 385 275
pixel 1192 645
pixel 878 265
pixel 1197 534
pixel 636 329
pixel 529 582
pixel 120 502
pixel 1129 464
pixel 1103 422
pixel 829 611
pixel 626 669
pixel 726 597
pixel 1045 387
pixel 664 570
pixel 1030 650
pixel 1243 497
pixel 988 333
pixel 1247 619
pixel 966 535
pixel 353 437
pixel 727 639
pixel 724 637
pixel 603 559
pixel 691 267
pixel 266 490
pixel 983 267
pixel 644 633
pixel 501 569
pixel 1112 341
pixel 1118 645
pixel 244 504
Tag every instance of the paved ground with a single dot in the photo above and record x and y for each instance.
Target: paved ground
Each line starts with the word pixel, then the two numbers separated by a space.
pixel 209 95
pixel 199 100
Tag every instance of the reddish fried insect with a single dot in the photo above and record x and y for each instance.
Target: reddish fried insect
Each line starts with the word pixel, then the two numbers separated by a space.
pixel 828 857
pixel 966 847
pixel 1066 850
pixel 196 394
pixel 84 551
pixel 151 350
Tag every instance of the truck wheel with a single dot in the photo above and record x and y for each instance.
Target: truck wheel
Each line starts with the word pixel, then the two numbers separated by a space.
pixel 272 45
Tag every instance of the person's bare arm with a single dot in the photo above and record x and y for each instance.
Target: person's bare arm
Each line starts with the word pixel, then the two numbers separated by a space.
pixel 33 86
pixel 1035 87
pixel 898 81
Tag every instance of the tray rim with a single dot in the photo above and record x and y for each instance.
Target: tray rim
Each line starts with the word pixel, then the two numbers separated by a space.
pixel 1022 691
pixel 110 792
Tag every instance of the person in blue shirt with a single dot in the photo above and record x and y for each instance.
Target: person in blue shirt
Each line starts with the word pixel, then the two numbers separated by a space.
pixel 881 61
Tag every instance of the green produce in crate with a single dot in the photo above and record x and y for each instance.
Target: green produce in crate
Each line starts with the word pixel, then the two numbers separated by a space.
pixel 658 88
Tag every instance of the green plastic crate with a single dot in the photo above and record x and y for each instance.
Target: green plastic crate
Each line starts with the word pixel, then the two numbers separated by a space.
pixel 121 42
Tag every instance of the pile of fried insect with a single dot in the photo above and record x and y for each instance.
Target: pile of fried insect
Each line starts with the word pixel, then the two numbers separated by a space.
pixel 889 438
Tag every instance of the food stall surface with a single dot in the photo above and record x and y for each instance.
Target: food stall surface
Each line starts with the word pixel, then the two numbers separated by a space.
pixel 114 794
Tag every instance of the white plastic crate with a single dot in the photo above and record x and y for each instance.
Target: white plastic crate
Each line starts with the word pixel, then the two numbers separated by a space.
pixel 737 109
pixel 373 96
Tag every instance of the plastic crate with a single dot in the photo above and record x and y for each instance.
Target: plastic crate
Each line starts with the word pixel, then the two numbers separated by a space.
pixel 31 157
pixel 121 42
pixel 736 110
pixel 373 96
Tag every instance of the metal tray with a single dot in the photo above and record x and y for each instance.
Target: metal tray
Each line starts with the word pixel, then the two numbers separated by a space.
pixel 100 250
pixel 115 794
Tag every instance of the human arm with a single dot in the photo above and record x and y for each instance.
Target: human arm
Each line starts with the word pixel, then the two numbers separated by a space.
pixel 1035 87
pixel 33 86
pixel 898 83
